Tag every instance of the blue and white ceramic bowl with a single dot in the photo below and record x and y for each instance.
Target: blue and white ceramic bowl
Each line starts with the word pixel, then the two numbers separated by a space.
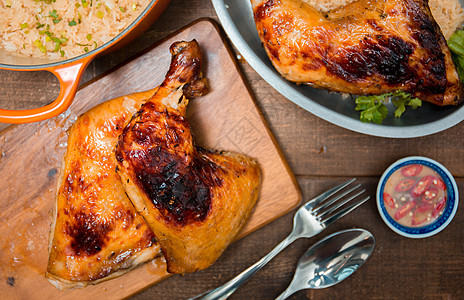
pixel 448 212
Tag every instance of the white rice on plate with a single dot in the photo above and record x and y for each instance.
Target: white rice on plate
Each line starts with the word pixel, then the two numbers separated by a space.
pixel 448 13
pixel 60 29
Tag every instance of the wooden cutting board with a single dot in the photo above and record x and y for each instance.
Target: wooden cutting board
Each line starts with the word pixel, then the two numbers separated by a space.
pixel 30 157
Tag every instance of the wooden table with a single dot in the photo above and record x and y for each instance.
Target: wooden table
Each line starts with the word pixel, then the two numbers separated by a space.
pixel 321 155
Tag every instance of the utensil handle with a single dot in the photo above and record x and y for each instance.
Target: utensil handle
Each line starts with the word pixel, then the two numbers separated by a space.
pixel 285 294
pixel 69 76
pixel 227 289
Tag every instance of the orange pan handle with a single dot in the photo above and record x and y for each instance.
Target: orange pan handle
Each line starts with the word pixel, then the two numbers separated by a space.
pixel 69 76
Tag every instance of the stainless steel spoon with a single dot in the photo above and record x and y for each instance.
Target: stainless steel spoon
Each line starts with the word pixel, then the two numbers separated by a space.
pixel 331 260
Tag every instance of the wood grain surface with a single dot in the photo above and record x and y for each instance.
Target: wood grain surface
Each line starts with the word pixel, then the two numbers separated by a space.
pixel 321 155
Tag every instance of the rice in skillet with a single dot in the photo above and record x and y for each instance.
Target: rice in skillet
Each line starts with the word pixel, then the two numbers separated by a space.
pixel 448 13
pixel 63 28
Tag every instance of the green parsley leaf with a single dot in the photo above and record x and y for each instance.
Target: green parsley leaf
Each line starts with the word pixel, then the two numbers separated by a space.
pixel 72 23
pixel 402 99
pixel 415 103
pixel 373 108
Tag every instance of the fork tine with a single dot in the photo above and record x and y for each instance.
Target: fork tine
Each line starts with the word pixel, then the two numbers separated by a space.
pixel 316 201
pixel 338 205
pixel 343 212
pixel 325 204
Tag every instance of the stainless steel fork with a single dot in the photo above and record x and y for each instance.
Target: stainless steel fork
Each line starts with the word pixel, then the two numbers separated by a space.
pixel 309 220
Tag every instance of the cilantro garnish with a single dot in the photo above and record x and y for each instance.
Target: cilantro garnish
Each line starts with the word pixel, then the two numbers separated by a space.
pixel 373 107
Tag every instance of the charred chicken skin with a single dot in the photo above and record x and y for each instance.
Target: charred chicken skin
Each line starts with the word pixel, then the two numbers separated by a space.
pixel 365 47
pixel 96 233
pixel 195 200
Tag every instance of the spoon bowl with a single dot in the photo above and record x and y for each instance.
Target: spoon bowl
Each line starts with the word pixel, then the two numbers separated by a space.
pixel 331 260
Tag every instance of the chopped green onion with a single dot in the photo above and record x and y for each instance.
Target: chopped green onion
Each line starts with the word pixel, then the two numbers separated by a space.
pixel 54 15
pixel 82 45
pixel 122 9
pixel 100 14
pixel 88 37
pixel 24 25
pixel 62 52
pixel 58 40
pixel 85 3
pixel 77 5
pixel 39 25
pixel 47 39
pixel 39 45
pixel 86 49
pixel 46 32
pixel 72 23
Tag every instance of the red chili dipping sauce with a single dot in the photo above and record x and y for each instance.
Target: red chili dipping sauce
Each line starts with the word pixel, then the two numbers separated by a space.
pixel 414 195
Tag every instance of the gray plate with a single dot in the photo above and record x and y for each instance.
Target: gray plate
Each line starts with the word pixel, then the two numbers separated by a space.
pixel 237 19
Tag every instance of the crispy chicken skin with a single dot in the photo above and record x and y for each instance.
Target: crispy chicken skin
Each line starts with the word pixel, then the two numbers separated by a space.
pixel 195 200
pixel 365 47
pixel 96 232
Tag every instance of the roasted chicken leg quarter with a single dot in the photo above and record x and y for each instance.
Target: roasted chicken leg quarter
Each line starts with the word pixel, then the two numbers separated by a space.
pixel 96 233
pixel 195 200
pixel 365 47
